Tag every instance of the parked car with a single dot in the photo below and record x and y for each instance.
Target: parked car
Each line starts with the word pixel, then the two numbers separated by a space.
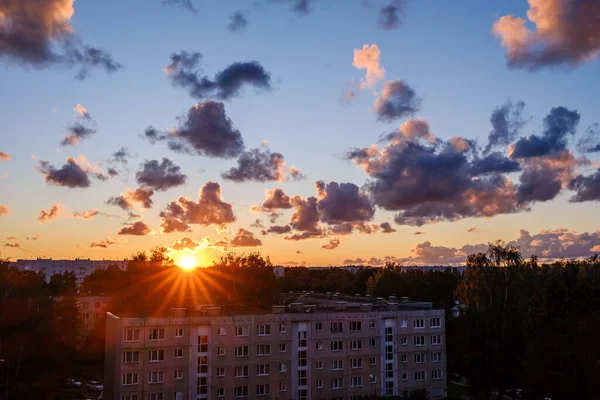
pixel 95 385
pixel 72 382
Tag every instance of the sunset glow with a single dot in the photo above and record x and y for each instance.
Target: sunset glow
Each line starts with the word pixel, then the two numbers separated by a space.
pixel 187 263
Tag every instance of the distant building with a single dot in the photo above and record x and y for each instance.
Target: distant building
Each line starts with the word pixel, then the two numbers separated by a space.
pixel 92 309
pixel 318 347
pixel 81 267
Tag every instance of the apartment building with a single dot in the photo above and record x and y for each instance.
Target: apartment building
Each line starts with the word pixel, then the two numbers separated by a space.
pixel 318 347
pixel 81 267
pixel 92 309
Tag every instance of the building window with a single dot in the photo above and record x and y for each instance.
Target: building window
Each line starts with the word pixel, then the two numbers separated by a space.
pixel 403 341
pixel 131 357
pixel 241 331
pixel 356 344
pixel 302 381
pixel 419 340
pixel 372 360
pixel 157 334
pixel 389 334
pixel 220 371
pixel 264 330
pixel 179 332
pixel 371 324
pixel 389 388
pixel 156 355
pixel 178 374
pixel 221 351
pixel 319 326
pixel 355 326
pixel 372 342
pixel 336 327
pixel 337 383
pixel 178 353
pixel 435 323
pixel 337 345
pixel 263 350
pixel 203 344
pixel 202 385
pixel 419 323
pixel 203 364
pixel 302 358
pixel 356 381
pixel 420 358
pixel 319 364
pixel 263 369
pixel 129 379
pixel 436 339
pixel 419 375
pixel 337 365
pixel 282 367
pixel 389 371
pixel 282 386
pixel 389 352
pixel 240 391
pixel 263 390
pixel 319 384
pixel 221 331
pixel 404 358
pixel 241 371
pixel 282 328
pixel 282 347
pixel 436 357
pixel 436 374
pixel 221 392
pixel 404 376
pixel 242 351
pixel 356 363
pixel 403 323
pixel 156 377
pixel 129 397
pixel 319 345
pixel 131 335
pixel 155 396
pixel 372 379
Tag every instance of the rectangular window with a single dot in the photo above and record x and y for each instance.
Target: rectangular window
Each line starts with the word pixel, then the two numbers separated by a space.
pixel 157 334
pixel 241 331
pixel 436 357
pixel 389 389
pixel 356 344
pixel 319 326
pixel 389 334
pixel 282 386
pixel 371 324
pixel 319 345
pixel 336 327
pixel 419 340
pixel 178 353
pixel 263 350
pixel 242 351
pixel 263 390
pixel 419 323
pixel 435 323
pixel 302 380
pixel 241 371
pixel 403 323
pixel 131 357
pixel 319 364
pixel 420 358
pixel 203 344
pixel 404 358
pixel 240 391
pixel 356 363
pixel 355 326
pixel 356 381
pixel 130 397
pixel 179 332
pixel 155 396
pixel 263 369
pixel 389 352
pixel 436 374
pixel 404 376
pixel 129 379
pixel 319 384
pixel 436 339
pixel 263 330
pixel 220 371
pixel 131 335
pixel 282 347
pixel 156 377
pixel 178 374
pixel 372 360
pixel 419 375
pixel 282 367
pixel 221 331
pixel 372 379
pixel 221 392
pixel 337 365
pixel 337 383
pixel 202 385
pixel 282 328
pixel 372 342
pixel 156 355
pixel 302 355
pixel 389 371
pixel 203 364
pixel 221 351
pixel 337 345
pixel 403 341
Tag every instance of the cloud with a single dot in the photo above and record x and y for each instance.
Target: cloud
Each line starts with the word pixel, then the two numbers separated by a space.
pixel 278 229
pixel 138 228
pixel 318 234
pixel 77 133
pixel 390 16
pixel 587 188
pixel 386 227
pixel 295 174
pixel 343 202
pixel 473 230
pixel 160 176
pixel 306 216
pixel 494 163
pixel 398 100
pixel 3 210
pixel 418 233
pixel 184 72
pixel 566 33
pixel 73 174
pixel 39 33
pixel 245 238
pixel 367 58
pixel 590 143
pixel 120 156
pixel 507 121
pixel 82 111
pixel 276 200
pixel 36 237
pixel 332 245
pixel 52 213
pixel 237 21
pixel 4 156
pixel 205 130
pixel 257 224
pixel 89 214
pixel 11 238
pixel 258 165
pixel 105 243
pixel 15 245
pixel 185 243
pixel 140 197
pixel 210 210
pixel 559 122
pixel 186 4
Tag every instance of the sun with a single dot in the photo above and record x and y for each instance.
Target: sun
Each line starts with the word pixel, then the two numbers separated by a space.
pixel 188 263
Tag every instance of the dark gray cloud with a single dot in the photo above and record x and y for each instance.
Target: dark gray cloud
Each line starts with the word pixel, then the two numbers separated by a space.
pixel 343 202
pixel 318 234
pixel 398 100
pixel 332 245
pixel 276 200
pixel 205 130
pixel 72 174
pixel 186 4
pixel 507 121
pixel 257 224
pixel 559 123
pixel 494 163
pixel 120 156
pixel 278 229
pixel 306 216
pixel 587 188
pixel 386 227
pixel 138 228
pixel 391 16
pixel 140 197
pixel 244 238
pixel 77 132
pixel 160 176
pixel 258 165
pixel 237 21
pixel 184 72
pixel 103 244
pixel 39 33
pixel 590 143
pixel 209 210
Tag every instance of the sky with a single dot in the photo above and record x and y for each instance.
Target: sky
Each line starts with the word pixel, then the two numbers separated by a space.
pixel 321 132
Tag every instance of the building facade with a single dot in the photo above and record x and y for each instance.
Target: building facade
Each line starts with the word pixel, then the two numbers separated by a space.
pixel 335 350
pixel 80 267
pixel 92 310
